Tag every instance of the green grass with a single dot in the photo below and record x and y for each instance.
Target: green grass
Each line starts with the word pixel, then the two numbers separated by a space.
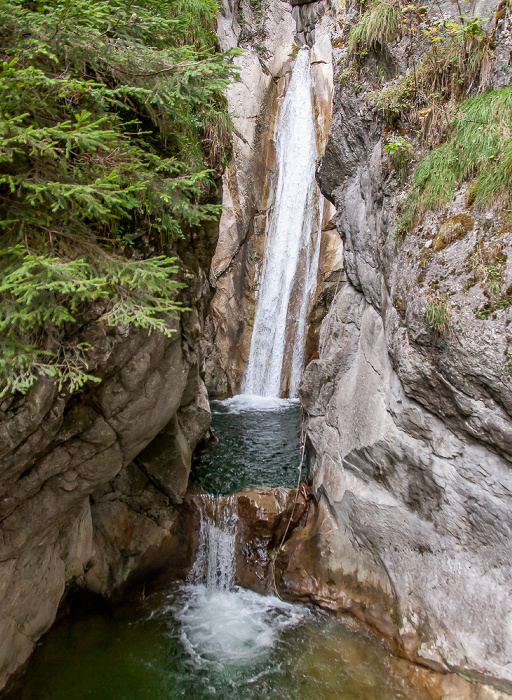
pixel 438 314
pixel 381 24
pixel 478 151
pixel 424 100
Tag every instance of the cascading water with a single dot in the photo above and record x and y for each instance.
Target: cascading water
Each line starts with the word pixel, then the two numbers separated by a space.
pixel 292 245
pixel 225 627
pixel 214 562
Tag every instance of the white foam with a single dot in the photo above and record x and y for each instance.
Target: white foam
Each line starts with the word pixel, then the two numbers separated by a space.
pixel 222 629
pixel 252 402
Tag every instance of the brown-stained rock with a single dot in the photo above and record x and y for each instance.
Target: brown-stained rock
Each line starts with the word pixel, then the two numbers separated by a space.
pixel 265 516
pixel 138 537
pixel 451 230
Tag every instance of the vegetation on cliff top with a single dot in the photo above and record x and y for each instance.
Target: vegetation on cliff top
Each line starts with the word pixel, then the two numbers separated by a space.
pixel 107 111
pixel 443 103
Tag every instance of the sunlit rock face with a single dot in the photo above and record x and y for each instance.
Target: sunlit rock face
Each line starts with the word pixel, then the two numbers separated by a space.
pixel 410 431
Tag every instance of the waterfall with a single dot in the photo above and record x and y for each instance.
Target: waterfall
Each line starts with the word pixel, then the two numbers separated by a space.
pixel 225 628
pixel 215 559
pixel 292 245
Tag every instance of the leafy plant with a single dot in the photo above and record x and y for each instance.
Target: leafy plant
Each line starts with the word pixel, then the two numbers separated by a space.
pixel 111 119
pixel 396 144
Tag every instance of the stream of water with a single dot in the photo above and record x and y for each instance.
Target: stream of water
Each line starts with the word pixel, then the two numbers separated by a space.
pixel 211 640
pixel 292 245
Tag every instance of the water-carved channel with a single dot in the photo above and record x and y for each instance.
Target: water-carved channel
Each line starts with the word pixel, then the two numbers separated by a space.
pixel 208 637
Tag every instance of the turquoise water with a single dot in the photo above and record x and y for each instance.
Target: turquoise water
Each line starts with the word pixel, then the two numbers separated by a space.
pixel 258 445
pixel 201 645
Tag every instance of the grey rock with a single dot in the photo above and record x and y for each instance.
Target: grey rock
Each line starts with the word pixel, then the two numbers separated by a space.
pixel 61 454
pixel 410 431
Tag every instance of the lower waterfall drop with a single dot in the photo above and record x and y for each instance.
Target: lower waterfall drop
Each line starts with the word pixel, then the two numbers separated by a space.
pixel 225 627
pixel 292 246
pixel 214 562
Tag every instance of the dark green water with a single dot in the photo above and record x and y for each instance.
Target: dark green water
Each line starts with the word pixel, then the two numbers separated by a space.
pixel 210 640
pixel 258 445
pixel 196 646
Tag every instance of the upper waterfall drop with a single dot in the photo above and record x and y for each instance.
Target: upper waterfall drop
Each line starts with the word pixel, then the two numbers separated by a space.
pixel 292 246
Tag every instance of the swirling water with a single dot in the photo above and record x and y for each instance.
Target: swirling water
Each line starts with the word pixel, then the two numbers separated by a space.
pixel 198 644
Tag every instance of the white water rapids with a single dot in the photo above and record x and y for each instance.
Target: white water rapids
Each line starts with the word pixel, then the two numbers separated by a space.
pixel 224 626
pixel 292 246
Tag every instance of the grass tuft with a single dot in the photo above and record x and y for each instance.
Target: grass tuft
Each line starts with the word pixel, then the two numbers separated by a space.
pixel 479 151
pixel 380 25
pixel 438 314
pixel 425 99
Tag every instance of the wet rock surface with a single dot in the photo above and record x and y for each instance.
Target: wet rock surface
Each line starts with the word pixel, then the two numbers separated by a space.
pixel 270 46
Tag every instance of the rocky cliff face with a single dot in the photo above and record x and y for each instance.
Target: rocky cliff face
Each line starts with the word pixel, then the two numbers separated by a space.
pixel 87 480
pixel 410 430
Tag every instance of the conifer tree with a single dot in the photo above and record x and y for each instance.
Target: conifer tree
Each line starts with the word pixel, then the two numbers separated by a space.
pixel 111 112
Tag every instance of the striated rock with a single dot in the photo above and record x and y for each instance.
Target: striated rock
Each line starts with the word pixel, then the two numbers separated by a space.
pixel 409 429
pixel 248 184
pixel 58 451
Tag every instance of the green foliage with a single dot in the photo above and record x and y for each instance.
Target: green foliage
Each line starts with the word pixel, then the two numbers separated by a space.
pixel 400 151
pixel 459 62
pixel 111 119
pixel 438 313
pixel 382 23
pixel 397 144
pixel 479 151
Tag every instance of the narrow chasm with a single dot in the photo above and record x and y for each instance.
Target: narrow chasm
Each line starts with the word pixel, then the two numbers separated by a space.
pixel 255 390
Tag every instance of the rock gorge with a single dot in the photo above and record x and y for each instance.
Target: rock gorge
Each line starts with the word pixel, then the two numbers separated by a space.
pixel 409 431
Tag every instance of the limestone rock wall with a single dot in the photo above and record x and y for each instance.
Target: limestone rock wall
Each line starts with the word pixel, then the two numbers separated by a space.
pixel 410 430
pixel 87 480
